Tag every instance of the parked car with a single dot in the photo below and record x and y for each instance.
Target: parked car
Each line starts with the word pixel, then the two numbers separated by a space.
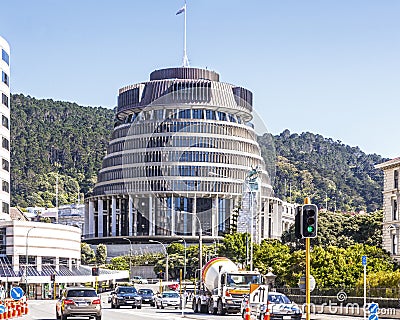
pixel 168 299
pixel 148 296
pixel 139 279
pixel 279 306
pixel 78 302
pixel 125 296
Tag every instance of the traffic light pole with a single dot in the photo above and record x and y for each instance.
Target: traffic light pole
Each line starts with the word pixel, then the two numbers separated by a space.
pixel 308 298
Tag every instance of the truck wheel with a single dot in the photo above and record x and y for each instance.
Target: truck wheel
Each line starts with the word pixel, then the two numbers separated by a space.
pixel 220 308
pixel 199 308
pixel 194 306
pixel 211 309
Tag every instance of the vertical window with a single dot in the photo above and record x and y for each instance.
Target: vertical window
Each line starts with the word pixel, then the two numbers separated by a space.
pixel 396 179
pixel 4 121
pixel 5 144
pixel 4 78
pixel 5 165
pixel 394 209
pixel 6 207
pixel 394 244
pixel 4 99
pixel 5 57
pixel 6 187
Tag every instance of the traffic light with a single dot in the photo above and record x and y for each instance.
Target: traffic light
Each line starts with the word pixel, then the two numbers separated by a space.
pixel 297 224
pixel 309 221
pixel 95 271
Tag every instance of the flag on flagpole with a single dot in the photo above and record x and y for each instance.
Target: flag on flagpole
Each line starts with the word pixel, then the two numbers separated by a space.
pixel 181 10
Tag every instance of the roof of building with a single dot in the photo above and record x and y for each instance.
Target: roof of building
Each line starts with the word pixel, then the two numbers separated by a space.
pixel 388 164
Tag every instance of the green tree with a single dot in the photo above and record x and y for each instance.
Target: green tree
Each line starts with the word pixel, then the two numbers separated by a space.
pixel 87 254
pixel 235 246
pixel 101 254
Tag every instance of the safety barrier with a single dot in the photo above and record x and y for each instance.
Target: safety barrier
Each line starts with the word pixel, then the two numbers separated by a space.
pixel 13 309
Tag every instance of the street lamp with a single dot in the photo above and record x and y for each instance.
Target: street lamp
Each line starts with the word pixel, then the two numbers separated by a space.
pixel 245 182
pixel 166 255
pixel 184 263
pixel 130 258
pixel 26 260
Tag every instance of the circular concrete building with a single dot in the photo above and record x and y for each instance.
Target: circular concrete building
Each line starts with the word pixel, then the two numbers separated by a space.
pixel 179 159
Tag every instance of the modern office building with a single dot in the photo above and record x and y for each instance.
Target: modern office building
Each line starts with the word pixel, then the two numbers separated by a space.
pixel 182 156
pixel 5 130
pixel 391 200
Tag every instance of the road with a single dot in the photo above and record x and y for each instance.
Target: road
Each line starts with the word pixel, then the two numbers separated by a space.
pixel 45 310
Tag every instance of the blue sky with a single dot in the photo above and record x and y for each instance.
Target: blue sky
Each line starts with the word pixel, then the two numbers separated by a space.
pixel 328 67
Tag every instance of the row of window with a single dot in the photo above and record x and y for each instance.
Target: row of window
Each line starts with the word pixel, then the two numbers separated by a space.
pixel 169 171
pixel 5 57
pixel 174 114
pixel 5 78
pixel 168 186
pixel 192 127
pixel 187 142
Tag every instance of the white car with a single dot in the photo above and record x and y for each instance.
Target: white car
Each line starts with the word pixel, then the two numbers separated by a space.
pixel 279 306
pixel 168 299
pixel 139 279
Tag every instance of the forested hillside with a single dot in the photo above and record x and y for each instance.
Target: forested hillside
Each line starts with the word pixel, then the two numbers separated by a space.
pixel 55 138
pixel 333 174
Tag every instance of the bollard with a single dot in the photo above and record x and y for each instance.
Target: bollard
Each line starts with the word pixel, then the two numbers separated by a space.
pixel 247 312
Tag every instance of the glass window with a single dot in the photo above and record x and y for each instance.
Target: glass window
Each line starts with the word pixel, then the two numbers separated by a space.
pixel 4 99
pixel 394 209
pixel 4 121
pixel 221 116
pixel 6 186
pixel 5 56
pixel 394 244
pixel 5 165
pixel 4 78
pixel 396 179
pixel 198 114
pixel 6 144
pixel 210 115
pixel 6 207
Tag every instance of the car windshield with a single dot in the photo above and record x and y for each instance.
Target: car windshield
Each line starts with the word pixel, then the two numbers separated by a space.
pixel 145 291
pixel 81 293
pixel 170 295
pixel 127 290
pixel 278 298
pixel 242 280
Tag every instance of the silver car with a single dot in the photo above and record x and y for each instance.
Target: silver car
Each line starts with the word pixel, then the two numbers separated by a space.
pixel 78 302
pixel 168 299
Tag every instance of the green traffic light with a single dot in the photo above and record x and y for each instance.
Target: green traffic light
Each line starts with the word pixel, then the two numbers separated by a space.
pixel 310 229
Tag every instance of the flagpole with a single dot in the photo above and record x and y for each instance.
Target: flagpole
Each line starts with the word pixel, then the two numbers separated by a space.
pixel 185 58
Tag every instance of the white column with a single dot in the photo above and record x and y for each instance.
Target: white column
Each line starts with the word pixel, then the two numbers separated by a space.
pixel 57 263
pixel 39 264
pixel 119 226
pixel 15 262
pixel 172 227
pixel 151 217
pixel 214 216
pixel 113 216
pixel 100 217
pixel 130 215
pixel 91 219
pixel 70 263
pixel 135 205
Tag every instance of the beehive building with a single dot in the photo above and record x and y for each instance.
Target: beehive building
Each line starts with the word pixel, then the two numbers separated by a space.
pixel 179 160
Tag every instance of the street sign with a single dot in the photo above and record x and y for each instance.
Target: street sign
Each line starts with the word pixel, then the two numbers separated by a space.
pixel 373 317
pixel 16 293
pixel 302 283
pixel 2 308
pixel 373 308
pixel 364 260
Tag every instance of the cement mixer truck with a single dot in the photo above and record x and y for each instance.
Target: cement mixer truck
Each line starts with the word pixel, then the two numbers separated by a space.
pixel 223 286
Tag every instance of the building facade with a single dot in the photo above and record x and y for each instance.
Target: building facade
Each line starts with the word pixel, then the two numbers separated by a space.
pixel 391 200
pixel 5 129
pixel 182 156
